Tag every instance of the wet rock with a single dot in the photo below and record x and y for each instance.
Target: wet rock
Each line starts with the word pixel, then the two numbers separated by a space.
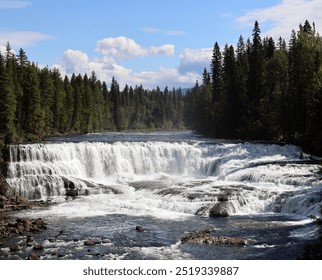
pixel 71 193
pixel 20 200
pixel 223 197
pixel 38 247
pixel 3 201
pixel 90 242
pixel 29 238
pixel 51 239
pixel 38 225
pixel 139 228
pixel 14 248
pixel 61 232
pixel 33 256
pixel 38 222
pixel 204 237
pixel 14 230
pixel 21 228
pixel 87 192
pixel 203 211
pixel 219 210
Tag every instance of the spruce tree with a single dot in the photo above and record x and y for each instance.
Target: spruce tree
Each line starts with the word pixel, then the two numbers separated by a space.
pixel 7 101
pixel 34 116
pixel 255 83
pixel 216 73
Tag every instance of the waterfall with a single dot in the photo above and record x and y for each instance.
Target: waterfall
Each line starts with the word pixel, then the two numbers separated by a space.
pixel 253 177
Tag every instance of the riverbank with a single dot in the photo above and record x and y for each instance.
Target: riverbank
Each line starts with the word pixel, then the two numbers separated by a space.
pixel 10 226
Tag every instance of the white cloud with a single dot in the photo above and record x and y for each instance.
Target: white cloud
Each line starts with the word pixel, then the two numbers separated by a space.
pixel 14 4
pixel 285 16
pixel 78 62
pixel 114 50
pixel 75 61
pixel 195 60
pixel 121 48
pixel 23 38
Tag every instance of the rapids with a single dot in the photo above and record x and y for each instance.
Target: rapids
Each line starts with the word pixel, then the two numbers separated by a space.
pixel 173 179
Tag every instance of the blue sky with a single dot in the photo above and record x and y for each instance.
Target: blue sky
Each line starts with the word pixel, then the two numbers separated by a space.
pixel 153 43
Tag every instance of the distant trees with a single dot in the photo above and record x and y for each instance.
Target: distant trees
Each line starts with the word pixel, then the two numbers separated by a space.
pixel 263 90
pixel 260 90
pixel 38 102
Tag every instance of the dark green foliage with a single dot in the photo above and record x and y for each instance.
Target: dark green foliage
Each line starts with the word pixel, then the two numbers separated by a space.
pixel 38 102
pixel 7 101
pixel 216 73
pixel 263 90
pixel 34 121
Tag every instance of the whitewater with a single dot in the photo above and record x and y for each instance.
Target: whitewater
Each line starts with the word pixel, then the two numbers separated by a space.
pixel 170 183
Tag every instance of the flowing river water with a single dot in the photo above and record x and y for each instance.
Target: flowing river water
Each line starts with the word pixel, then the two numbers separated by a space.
pixel 169 183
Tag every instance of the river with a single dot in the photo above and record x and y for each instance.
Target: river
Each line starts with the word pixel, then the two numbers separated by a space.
pixel 169 183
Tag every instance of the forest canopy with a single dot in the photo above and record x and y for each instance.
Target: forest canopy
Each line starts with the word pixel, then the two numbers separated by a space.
pixel 257 90
pixel 38 102
pixel 263 90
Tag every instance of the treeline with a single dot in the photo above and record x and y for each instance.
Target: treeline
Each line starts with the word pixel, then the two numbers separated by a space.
pixel 260 90
pixel 38 102
pixel 263 90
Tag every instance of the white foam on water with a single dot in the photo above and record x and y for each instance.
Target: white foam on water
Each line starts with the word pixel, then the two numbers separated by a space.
pixel 172 252
pixel 170 179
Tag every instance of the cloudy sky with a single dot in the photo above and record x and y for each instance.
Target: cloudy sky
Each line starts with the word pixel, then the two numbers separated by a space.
pixel 149 42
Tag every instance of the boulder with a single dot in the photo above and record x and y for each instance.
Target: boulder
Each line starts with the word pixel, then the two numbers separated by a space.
pixel 38 247
pixel 203 211
pixel 39 222
pixel 219 210
pixel 3 201
pixel 204 237
pixel 14 248
pixel 139 228
pixel 38 225
pixel 71 193
pixel 33 256
pixel 90 242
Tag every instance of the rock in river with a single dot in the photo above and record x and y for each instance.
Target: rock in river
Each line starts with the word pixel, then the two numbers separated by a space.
pixel 204 236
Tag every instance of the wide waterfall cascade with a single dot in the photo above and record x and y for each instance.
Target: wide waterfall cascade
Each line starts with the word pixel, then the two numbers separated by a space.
pixel 182 176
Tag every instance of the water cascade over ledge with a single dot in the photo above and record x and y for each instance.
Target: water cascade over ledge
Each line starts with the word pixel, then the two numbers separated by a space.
pixel 178 175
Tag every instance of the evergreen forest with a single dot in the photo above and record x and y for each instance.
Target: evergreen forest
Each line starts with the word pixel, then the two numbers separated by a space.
pixel 263 90
pixel 35 103
pixel 258 90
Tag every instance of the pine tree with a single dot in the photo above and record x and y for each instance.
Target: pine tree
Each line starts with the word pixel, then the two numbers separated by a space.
pixel 47 99
pixel 87 125
pixel 78 90
pixel 242 72
pixel 255 83
pixel 34 117
pixel 114 91
pixel 69 104
pixel 230 103
pixel 7 101
pixel 216 73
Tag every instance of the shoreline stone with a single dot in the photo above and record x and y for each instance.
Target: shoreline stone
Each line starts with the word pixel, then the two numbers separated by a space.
pixel 10 226
pixel 20 226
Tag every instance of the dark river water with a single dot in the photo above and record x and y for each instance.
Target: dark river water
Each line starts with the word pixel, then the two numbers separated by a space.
pixel 169 183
